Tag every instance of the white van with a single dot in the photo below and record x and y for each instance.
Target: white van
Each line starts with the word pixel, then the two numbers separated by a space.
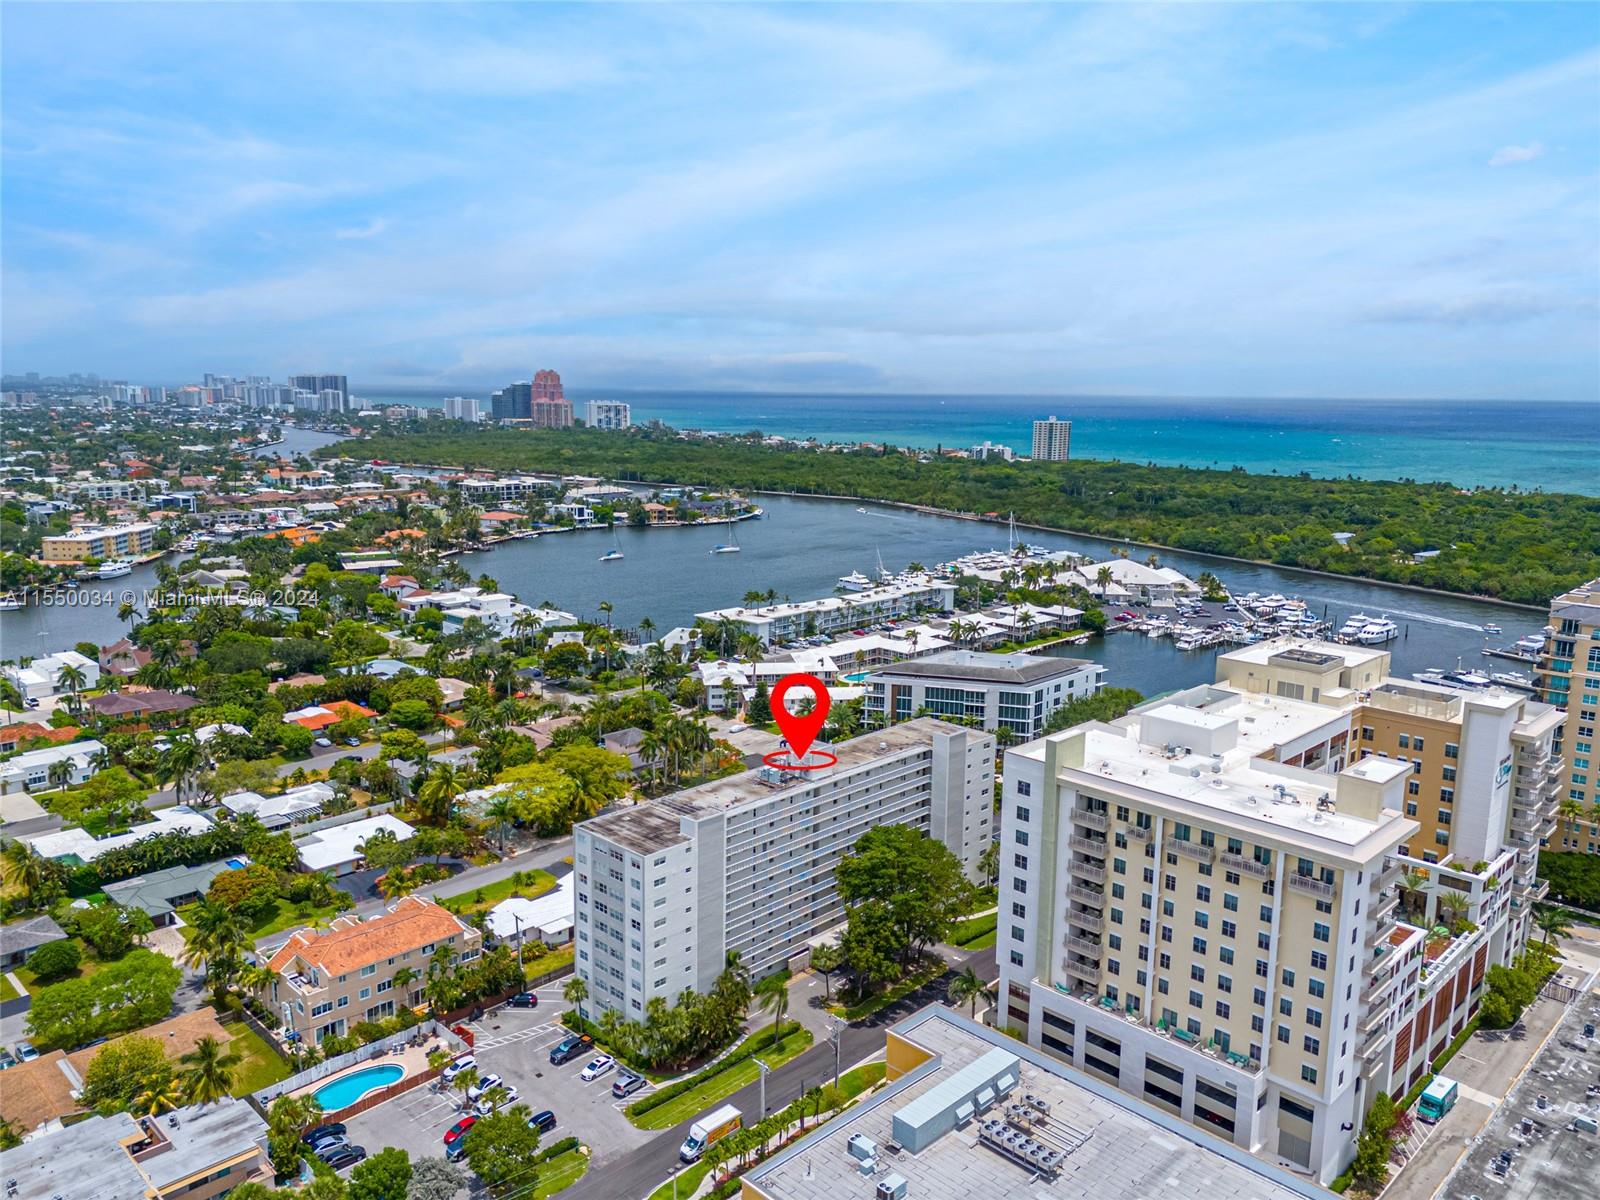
pixel 708 1129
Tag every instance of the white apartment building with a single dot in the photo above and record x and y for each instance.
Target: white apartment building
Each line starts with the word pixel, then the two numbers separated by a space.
pixel 1017 692
pixel 112 489
pixel 506 487
pixel 1205 903
pixel 463 408
pixel 788 621
pixel 608 414
pixel 1052 440
pixel 667 888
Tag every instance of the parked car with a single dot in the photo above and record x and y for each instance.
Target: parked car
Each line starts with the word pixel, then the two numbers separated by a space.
pixel 570 1047
pixel 330 1146
pixel 626 1084
pixel 544 1121
pixel 322 741
pixel 485 1104
pixel 6 1061
pixel 347 1156
pixel 465 1062
pixel 597 1068
pixel 352 741
pixel 524 1000
pixel 323 1133
pixel 456 1135
pixel 26 1052
pixel 483 1085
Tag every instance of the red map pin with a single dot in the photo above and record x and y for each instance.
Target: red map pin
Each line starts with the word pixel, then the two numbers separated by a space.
pixel 800 731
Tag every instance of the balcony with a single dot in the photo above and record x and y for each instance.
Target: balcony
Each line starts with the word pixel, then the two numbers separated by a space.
pixel 1138 833
pixel 1375 1042
pixel 1175 1038
pixel 1392 874
pixel 1089 871
pixel 1374 1018
pixel 1083 946
pixel 1379 934
pixel 1245 866
pixel 1094 846
pixel 1311 884
pixel 1087 896
pixel 1194 850
pixel 1078 970
pixel 1086 920
pixel 1387 902
pixel 1376 988
pixel 1094 820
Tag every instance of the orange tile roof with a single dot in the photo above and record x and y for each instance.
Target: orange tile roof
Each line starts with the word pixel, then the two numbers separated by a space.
pixel 412 923
pixel 26 731
pixel 317 720
pixel 349 708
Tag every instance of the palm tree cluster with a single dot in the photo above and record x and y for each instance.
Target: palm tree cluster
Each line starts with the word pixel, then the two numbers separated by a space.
pixel 691 1028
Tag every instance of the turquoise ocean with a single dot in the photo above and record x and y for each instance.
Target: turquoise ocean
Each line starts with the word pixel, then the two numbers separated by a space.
pixel 1553 447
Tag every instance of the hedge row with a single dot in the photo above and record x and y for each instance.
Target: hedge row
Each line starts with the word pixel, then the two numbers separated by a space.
pixel 752 1046
pixel 557 1149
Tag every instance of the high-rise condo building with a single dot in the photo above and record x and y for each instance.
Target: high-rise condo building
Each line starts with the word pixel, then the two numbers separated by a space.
pixel 549 407
pixel 514 402
pixel 1569 676
pixel 1016 692
pixel 1220 903
pixel 318 384
pixel 462 408
pixel 1052 440
pixel 666 889
pixel 608 414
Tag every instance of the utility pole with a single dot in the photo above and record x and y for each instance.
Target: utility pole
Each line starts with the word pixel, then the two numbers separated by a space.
pixel 765 1071
pixel 835 1032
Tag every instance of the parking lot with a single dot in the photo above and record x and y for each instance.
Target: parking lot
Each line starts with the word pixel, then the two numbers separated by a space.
pixel 514 1044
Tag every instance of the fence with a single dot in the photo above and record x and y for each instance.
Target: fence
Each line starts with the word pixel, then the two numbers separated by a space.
pixel 367 1053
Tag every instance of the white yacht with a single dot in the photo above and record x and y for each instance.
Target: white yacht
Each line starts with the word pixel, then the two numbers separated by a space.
pixel 115 569
pixel 615 553
pixel 1377 632
pixel 1532 644
pixel 854 582
pixel 1353 627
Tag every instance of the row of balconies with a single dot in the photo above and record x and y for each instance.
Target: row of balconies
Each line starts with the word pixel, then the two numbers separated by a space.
pixel 1311 884
pixel 1094 820
pixel 1086 920
pixel 1246 866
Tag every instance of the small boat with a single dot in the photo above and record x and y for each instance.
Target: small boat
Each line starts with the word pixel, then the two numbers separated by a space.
pixel 728 547
pixel 615 553
pixel 115 569
pixel 862 511
pixel 1491 627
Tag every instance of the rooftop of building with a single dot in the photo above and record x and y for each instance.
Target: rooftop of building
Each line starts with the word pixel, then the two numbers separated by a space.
pixel 410 923
pixel 154 892
pixel 1306 652
pixel 978 667
pixel 910 586
pixel 1581 604
pixel 1216 772
pixel 339 844
pixel 657 824
pixel 1115 1147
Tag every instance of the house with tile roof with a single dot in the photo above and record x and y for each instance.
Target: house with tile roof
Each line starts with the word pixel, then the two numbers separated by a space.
pixel 326 982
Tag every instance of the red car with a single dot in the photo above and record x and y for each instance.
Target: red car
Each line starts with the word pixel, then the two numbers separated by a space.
pixel 457 1133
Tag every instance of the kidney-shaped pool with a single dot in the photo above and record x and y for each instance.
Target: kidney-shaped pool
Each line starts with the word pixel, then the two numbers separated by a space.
pixel 347 1089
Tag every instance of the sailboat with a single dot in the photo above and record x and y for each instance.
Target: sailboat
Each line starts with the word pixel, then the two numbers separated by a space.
pixel 728 547
pixel 615 553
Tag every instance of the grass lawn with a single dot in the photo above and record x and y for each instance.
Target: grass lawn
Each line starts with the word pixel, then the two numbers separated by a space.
pixel 975 933
pixel 559 1173
pixel 865 1008
pixel 721 1085
pixel 261 1066
pixel 484 898
pixel 7 992
pixel 687 1183
pixel 546 963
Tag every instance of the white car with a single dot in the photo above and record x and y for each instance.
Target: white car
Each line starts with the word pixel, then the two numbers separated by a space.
pixel 483 1085
pixel 484 1106
pixel 597 1068
pixel 465 1063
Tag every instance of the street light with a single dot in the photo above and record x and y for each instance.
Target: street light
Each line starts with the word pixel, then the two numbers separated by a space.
pixel 835 1032
pixel 765 1070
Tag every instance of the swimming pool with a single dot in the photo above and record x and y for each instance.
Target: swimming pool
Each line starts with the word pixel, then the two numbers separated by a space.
pixel 855 677
pixel 347 1089
pixel 236 863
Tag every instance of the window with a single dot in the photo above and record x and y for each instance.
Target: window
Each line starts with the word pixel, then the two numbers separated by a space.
pixel 1225 953
pixel 1309 1074
pixel 1285 1006
pixel 1451 750
pixel 1019 884
pixel 1257 1025
pixel 1196 1000
pixel 1224 983
pixel 1314 1018
pixel 1202 893
pixel 1288 977
pixel 1197 972
pixel 1024 788
pixel 1199 944
pixel 1320 931
pixel 1229 929
pixel 1020 861
pixel 1283 1034
pixel 1416 742
pixel 1315 988
pixel 1018 909
pixel 1016 958
pixel 368 970
pixel 1017 934
pixel 1223 1008
pixel 1202 920
pixel 1022 837
pixel 1319 961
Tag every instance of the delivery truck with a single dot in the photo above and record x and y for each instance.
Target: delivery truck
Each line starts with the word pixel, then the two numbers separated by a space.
pixel 708 1129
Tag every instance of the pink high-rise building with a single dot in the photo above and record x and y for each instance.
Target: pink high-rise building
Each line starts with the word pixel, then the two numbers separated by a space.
pixel 550 408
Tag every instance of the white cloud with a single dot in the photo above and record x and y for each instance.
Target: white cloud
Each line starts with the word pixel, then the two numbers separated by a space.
pixel 1508 156
pixel 361 232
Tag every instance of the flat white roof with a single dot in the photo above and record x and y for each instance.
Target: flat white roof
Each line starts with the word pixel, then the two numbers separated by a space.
pixel 509 917
pixel 340 844
pixel 87 847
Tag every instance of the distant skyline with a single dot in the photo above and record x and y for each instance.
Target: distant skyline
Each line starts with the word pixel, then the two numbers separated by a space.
pixel 1382 201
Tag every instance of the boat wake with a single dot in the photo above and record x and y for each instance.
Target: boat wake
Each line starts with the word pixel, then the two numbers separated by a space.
pixel 1428 618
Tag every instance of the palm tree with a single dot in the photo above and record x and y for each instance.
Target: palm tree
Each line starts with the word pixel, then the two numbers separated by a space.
pixel 402 981
pixel 1553 923
pixel 180 761
pixel 965 988
pixel 72 680
pixel 606 609
pixel 827 958
pixel 501 813
pixel 256 977
pixel 438 794
pixel 646 628
pixel 25 869
pixel 575 991
pixel 216 941
pixel 1103 578
pixel 160 1093
pixel 59 773
pixel 210 1073
pixel 773 997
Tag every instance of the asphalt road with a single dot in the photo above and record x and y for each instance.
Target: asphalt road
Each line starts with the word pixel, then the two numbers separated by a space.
pixel 637 1174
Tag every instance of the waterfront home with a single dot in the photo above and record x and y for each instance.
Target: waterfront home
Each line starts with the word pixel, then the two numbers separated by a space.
pixel 122 658
pixel 41 678
pixel 1132 581
pixel 326 982
pixel 31 770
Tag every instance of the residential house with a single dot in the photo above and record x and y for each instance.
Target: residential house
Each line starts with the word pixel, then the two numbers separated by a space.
pixel 161 893
pixel 19 940
pixel 290 807
pixel 31 771
pixel 339 848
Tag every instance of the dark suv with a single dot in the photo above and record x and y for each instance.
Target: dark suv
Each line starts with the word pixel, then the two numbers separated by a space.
pixel 570 1047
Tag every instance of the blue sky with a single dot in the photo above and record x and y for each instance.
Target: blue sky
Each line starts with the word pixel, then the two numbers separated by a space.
pixel 1234 200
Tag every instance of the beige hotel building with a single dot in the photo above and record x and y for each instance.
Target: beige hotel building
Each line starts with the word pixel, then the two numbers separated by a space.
pixel 1203 903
